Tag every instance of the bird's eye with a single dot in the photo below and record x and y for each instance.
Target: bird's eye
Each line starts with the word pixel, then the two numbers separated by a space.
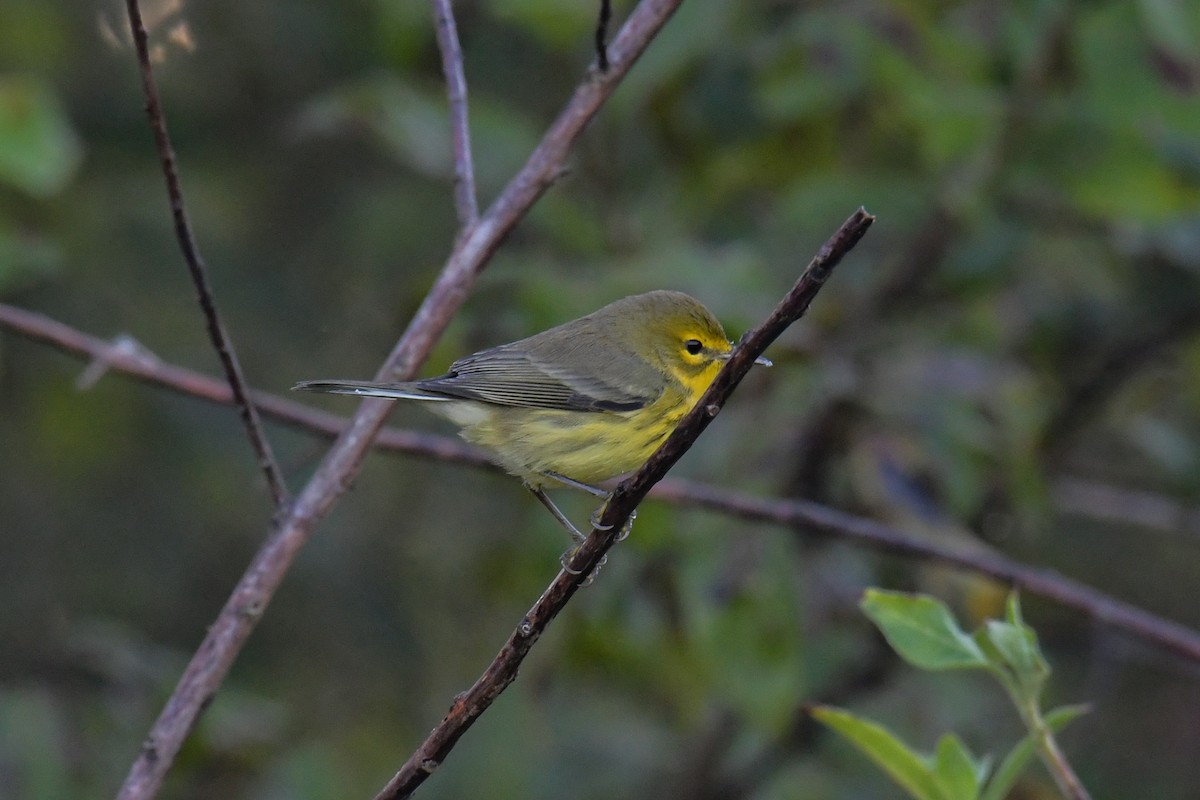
pixel 693 346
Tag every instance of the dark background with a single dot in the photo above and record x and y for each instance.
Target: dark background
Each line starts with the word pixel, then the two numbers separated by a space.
pixel 1009 357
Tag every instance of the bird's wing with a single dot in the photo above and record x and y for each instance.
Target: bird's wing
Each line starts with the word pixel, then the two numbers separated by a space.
pixel 571 373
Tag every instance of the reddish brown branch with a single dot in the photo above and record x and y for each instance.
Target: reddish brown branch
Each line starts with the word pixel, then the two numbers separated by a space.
pixel 147 368
pixel 1047 583
pixel 804 517
pixel 456 93
pixel 196 267
pixel 468 706
pixel 471 252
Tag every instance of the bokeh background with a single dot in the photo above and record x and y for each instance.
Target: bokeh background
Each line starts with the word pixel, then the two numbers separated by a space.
pixel 1010 359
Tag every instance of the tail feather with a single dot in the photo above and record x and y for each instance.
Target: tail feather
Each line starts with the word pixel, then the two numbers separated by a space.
pixel 395 391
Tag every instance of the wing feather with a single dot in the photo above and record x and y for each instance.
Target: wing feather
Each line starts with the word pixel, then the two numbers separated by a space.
pixel 569 368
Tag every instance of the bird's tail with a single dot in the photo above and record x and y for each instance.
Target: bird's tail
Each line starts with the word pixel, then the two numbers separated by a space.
pixel 395 391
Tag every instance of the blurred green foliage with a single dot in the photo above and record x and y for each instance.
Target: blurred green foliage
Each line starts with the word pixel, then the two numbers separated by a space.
pixel 924 632
pixel 1024 312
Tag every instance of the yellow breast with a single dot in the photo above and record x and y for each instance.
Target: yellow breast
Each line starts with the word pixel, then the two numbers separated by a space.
pixel 589 447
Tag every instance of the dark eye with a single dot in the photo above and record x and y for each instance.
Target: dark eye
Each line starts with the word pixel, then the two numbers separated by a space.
pixel 693 346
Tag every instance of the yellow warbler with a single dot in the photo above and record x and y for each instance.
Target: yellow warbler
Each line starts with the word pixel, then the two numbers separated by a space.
pixel 579 403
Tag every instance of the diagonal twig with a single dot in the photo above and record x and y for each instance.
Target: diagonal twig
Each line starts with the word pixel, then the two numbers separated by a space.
pixel 468 706
pixel 456 93
pixel 196 267
pixel 601 36
pixel 802 516
pixel 258 584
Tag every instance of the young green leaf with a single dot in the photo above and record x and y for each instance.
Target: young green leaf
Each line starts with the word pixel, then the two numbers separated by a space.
pixel 1012 610
pixel 905 766
pixel 1018 647
pixel 1005 776
pixel 922 630
pixel 956 771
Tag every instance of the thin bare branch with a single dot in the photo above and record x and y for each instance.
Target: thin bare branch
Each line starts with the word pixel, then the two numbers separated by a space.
pixel 471 252
pixel 196 267
pixel 602 35
pixel 804 517
pixel 144 366
pixel 815 518
pixel 456 93
pixel 468 706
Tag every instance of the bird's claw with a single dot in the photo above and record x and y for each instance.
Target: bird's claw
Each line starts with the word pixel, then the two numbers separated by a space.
pixel 625 529
pixel 565 561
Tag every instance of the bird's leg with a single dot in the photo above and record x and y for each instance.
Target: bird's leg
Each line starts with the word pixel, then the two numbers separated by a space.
pixel 596 491
pixel 545 500
pixel 576 534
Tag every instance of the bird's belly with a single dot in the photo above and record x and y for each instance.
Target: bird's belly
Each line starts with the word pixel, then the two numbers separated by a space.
pixel 586 446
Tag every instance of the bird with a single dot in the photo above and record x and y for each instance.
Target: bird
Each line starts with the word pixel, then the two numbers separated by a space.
pixel 579 403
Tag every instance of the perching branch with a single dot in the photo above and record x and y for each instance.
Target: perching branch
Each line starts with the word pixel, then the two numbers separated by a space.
pixel 806 518
pixel 468 706
pixel 337 470
pixel 199 272
pixel 456 94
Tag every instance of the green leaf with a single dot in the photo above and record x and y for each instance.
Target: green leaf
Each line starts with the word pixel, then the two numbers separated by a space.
pixel 922 630
pixel 906 767
pixel 1014 763
pixel 1014 648
pixel 39 150
pixel 956 771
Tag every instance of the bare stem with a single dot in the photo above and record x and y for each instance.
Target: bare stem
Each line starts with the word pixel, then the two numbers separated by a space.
pixel 1053 757
pixel 199 272
pixel 456 92
pixel 246 604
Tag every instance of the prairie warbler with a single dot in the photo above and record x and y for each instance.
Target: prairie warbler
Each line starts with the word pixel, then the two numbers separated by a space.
pixel 579 403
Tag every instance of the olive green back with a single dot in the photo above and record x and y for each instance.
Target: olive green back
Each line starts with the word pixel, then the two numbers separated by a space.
pixel 615 359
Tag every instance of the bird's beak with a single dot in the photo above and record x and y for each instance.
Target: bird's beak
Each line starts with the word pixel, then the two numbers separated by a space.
pixel 762 361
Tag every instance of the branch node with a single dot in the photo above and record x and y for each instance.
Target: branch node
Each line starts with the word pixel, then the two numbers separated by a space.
pixel 123 347
pixel 253 608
